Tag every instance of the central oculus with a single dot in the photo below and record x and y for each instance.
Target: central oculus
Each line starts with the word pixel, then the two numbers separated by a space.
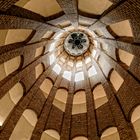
pixel 76 43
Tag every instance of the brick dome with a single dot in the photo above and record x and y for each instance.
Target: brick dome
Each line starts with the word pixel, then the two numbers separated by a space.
pixel 90 91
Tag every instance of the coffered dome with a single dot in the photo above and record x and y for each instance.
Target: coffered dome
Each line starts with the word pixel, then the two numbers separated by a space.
pixel 69 70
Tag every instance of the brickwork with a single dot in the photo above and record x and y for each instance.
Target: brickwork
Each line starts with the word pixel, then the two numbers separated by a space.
pixel 70 9
pixel 116 112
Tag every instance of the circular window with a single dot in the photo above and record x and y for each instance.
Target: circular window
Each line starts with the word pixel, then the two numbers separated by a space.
pixel 76 43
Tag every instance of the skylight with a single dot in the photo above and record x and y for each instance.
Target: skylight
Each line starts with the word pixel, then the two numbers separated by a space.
pixel 57 69
pixel 92 71
pixel 58 35
pixel 62 60
pixel 95 43
pixel 52 59
pixel 67 75
pixel 79 76
pixel 52 47
pixel 70 63
pixel 79 64
pixel 94 53
pixel 87 60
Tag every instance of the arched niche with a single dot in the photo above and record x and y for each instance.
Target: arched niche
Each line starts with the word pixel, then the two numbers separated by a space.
pixel 99 96
pixel 9 66
pixel 39 51
pixel 25 126
pixel 79 103
pixel 9 100
pixel 80 138
pixel 135 120
pixel 61 99
pixel 94 6
pixel 122 28
pixel 46 87
pixel 43 7
pixel 12 65
pixel 39 70
pixel 50 135
pixel 125 57
pixel 116 80
pixel 110 134
pixel 10 36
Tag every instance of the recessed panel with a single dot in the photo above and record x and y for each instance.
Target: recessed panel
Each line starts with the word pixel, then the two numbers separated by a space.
pixel 96 7
pixel 43 7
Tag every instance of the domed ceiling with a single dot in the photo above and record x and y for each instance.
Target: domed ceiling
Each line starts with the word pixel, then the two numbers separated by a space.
pixel 69 70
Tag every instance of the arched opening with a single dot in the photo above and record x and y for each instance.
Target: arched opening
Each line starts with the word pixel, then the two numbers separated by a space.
pixel 92 71
pixel 61 99
pixel 79 103
pixel 135 119
pixel 57 68
pixel 79 64
pixel 46 87
pixel 9 100
pixel 10 66
pixel 116 80
pixel 125 57
pixel 52 59
pixel 110 134
pixel 80 138
pixel 25 126
pixel 79 76
pixel 50 135
pixel 10 36
pixel 87 60
pixel 39 70
pixel 99 96
pixel 67 75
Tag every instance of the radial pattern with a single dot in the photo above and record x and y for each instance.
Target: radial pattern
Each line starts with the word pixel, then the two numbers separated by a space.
pixel 69 70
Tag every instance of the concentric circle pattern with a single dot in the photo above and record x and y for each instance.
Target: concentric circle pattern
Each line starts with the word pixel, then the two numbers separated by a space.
pixel 76 43
pixel 69 70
